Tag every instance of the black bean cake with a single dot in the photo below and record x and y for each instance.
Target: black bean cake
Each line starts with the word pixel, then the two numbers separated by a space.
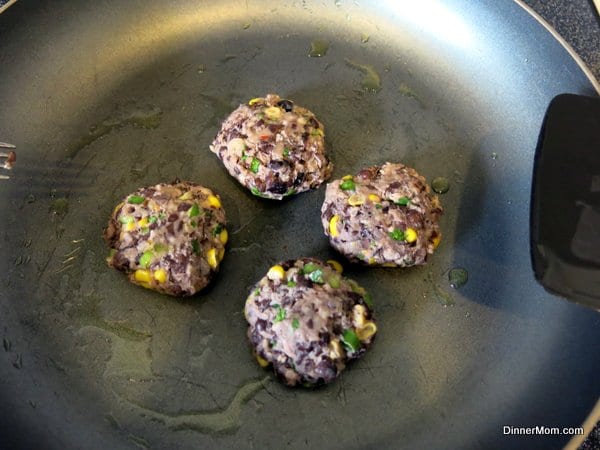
pixel 385 215
pixel 308 321
pixel 170 237
pixel 273 147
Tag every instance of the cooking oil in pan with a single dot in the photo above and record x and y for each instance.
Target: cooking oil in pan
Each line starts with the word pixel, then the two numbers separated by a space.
pixel 458 277
pixel 318 48
pixel 218 422
pixel 145 118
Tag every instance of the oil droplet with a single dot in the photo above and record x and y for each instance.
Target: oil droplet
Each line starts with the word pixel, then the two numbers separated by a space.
pixel 441 185
pixel 444 297
pixel 337 3
pixel 30 198
pixel 246 25
pixel 7 344
pixel 228 58
pixel 201 68
pixel 458 277
pixel 467 314
pixel 318 48
pixel 59 206
pixel 494 155
pixel 371 81
pixel 364 38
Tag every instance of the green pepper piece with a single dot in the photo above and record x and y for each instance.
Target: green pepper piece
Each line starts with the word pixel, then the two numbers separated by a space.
pixel 196 247
pixel 378 206
pixel 135 199
pixel 347 185
pixel 254 165
pixel 286 152
pixel 309 267
pixel 316 276
pixel 257 291
pixel 216 230
pixel 256 192
pixel 397 234
pixel 194 210
pixel 402 201
pixel 291 283
pixel 152 219
pixel 290 192
pixel 295 324
pixel 350 340
pixel 126 219
pixel 146 259
pixel 334 281
pixel 244 156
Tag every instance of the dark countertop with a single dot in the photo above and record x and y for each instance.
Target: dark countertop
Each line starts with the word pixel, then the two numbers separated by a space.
pixel 578 22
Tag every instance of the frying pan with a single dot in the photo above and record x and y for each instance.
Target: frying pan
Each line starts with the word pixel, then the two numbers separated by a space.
pixel 102 97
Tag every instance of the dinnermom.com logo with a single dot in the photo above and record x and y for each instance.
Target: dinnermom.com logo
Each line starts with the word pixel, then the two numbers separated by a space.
pixel 541 429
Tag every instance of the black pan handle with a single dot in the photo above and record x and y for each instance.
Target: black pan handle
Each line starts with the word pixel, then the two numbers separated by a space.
pixel 565 200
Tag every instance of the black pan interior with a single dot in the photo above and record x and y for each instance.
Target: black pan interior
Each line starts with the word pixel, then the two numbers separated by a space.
pixel 104 97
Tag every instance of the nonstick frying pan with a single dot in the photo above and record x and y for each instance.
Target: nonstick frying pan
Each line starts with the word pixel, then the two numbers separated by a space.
pixel 102 97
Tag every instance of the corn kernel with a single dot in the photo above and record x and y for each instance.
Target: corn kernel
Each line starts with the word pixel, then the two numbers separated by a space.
pixel 389 264
pixel 130 226
pixel 160 275
pixel 221 254
pixel 273 112
pixel 436 240
pixel 358 315
pixel 224 236
pixel 211 258
pixel 143 276
pixel 335 349
pixel 261 361
pixel 374 198
pixel 410 235
pixel 335 265
pixel 365 332
pixel 356 199
pixel 371 261
pixel 347 177
pixel 214 201
pixel 276 273
pixel 255 100
pixel 186 196
pixel 143 222
pixel 333 231
pixel 117 208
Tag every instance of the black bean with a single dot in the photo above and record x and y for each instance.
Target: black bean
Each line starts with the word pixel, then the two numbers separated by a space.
pixel 184 206
pixel 278 188
pixel 276 165
pixel 286 104
pixel 299 179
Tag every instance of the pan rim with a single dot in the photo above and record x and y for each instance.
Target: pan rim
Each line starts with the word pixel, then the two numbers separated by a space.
pixel 561 40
